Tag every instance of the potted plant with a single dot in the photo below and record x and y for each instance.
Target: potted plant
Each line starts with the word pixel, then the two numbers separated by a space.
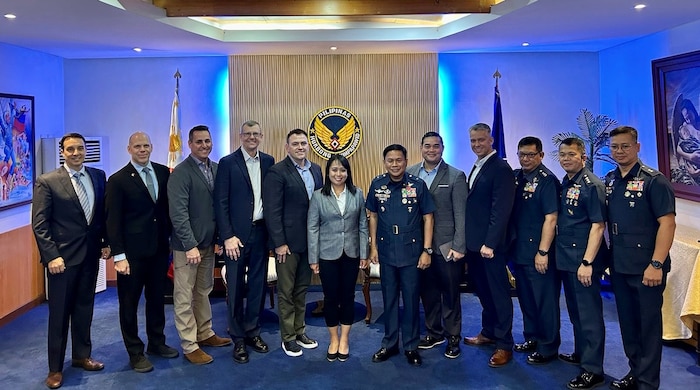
pixel 594 131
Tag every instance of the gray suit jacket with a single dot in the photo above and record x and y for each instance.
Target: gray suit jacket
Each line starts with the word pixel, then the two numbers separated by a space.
pixel 449 191
pixel 191 206
pixel 329 233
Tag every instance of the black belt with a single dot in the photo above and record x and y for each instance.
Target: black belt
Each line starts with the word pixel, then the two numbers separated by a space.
pixel 259 222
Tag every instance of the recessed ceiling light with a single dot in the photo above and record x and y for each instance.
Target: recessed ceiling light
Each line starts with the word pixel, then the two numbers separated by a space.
pixel 640 6
pixel 526 43
pixel 334 48
pixel 137 49
pixel 10 16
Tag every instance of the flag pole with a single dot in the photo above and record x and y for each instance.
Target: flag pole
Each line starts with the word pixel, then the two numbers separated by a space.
pixel 497 128
pixel 175 139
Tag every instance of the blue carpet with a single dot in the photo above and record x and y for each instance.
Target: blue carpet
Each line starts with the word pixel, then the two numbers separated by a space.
pixel 23 357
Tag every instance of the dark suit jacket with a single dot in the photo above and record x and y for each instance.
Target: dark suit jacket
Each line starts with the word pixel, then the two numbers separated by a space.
pixel 59 221
pixel 191 205
pixel 233 195
pixel 449 191
pixel 489 203
pixel 135 225
pixel 287 203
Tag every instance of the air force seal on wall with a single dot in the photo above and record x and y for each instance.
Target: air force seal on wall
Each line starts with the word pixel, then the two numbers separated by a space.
pixel 335 130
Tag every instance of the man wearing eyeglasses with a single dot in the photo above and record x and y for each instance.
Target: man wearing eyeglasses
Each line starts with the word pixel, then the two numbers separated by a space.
pixel 581 259
pixel 641 224
pixel 533 222
pixel 238 208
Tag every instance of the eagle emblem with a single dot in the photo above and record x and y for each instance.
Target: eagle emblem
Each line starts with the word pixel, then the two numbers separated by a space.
pixel 334 130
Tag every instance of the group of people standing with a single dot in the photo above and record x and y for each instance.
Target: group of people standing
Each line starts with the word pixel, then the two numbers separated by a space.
pixel 419 223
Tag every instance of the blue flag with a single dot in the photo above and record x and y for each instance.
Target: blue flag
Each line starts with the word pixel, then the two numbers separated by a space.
pixel 499 142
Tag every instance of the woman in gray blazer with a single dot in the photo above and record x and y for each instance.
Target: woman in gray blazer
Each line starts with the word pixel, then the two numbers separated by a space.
pixel 337 242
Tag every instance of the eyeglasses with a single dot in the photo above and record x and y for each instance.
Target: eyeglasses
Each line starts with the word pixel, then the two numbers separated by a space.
pixel 528 155
pixel 623 147
pixel 248 135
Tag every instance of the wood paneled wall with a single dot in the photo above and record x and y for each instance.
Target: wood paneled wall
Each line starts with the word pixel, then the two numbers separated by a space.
pixel 21 273
pixel 394 96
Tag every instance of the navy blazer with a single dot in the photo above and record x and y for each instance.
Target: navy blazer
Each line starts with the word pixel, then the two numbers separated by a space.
pixel 287 203
pixel 135 224
pixel 58 219
pixel 233 195
pixel 489 203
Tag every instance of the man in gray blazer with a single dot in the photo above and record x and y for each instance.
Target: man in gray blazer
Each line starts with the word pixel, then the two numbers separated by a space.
pixel 440 282
pixel 191 209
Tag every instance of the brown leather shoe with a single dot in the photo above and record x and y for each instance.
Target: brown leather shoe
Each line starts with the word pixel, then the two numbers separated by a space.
pixel 54 380
pixel 215 341
pixel 500 358
pixel 88 364
pixel 478 340
pixel 198 357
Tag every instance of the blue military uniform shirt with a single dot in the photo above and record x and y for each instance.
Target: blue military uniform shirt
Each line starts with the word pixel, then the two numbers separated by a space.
pixel 582 204
pixel 635 202
pixel 536 195
pixel 400 207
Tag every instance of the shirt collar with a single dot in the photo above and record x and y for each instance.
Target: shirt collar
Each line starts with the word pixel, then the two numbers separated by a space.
pixel 307 164
pixel 634 171
pixel 481 162
pixel 434 170
pixel 71 172
pixel 247 157
pixel 200 162
pixel 532 174
pixel 139 168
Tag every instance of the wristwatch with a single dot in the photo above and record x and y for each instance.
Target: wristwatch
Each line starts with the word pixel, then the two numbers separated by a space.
pixel 586 263
pixel 428 250
pixel 542 253
pixel 657 264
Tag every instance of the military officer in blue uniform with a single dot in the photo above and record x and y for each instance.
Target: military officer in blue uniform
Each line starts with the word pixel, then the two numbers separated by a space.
pixel 581 258
pixel 401 232
pixel 534 219
pixel 641 225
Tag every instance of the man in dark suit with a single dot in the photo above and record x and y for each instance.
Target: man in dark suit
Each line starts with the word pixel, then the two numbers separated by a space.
pixel 440 282
pixel 287 188
pixel 68 223
pixel 191 204
pixel 138 228
pixel 238 209
pixel 489 203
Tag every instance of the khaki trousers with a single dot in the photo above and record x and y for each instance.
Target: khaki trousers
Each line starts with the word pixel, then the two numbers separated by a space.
pixel 192 285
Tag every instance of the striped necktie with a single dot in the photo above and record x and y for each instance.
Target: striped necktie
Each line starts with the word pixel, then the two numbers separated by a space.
pixel 149 183
pixel 83 196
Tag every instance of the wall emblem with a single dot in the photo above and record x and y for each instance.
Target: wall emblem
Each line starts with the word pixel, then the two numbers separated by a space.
pixel 335 130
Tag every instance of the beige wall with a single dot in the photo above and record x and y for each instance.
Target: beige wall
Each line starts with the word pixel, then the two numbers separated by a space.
pixel 395 97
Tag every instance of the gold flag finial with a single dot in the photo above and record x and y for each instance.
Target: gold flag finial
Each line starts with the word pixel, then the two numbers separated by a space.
pixel 497 75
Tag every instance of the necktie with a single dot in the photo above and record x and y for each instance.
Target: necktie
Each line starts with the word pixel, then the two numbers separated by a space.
pixel 470 179
pixel 83 196
pixel 149 183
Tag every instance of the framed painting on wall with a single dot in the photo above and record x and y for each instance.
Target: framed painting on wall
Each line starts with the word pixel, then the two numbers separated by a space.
pixel 676 103
pixel 16 150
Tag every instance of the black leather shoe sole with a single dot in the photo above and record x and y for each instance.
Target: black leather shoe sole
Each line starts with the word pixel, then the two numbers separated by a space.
pixel 537 358
pixel 384 353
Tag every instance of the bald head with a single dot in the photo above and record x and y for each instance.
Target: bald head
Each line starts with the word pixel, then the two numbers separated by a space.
pixel 140 148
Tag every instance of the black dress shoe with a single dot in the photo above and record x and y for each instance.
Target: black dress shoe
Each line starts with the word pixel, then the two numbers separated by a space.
pixel 537 358
pixel 453 351
pixel 626 383
pixel 570 358
pixel 413 358
pixel 528 346
pixel 587 380
pixel 257 344
pixel 162 350
pixel 331 357
pixel 385 353
pixel 240 355
pixel 430 341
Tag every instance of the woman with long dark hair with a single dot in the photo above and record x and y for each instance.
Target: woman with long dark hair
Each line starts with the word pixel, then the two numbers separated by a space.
pixel 337 242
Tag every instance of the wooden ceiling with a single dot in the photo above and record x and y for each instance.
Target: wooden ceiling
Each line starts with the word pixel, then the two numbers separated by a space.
pixel 181 8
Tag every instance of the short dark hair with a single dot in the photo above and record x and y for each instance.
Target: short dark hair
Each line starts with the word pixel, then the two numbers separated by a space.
pixel 431 134
pixel 249 123
pixel 198 128
pixel 577 142
pixel 624 130
pixel 297 132
pixel 530 140
pixel 480 127
pixel 398 147
pixel 326 189
pixel 70 135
